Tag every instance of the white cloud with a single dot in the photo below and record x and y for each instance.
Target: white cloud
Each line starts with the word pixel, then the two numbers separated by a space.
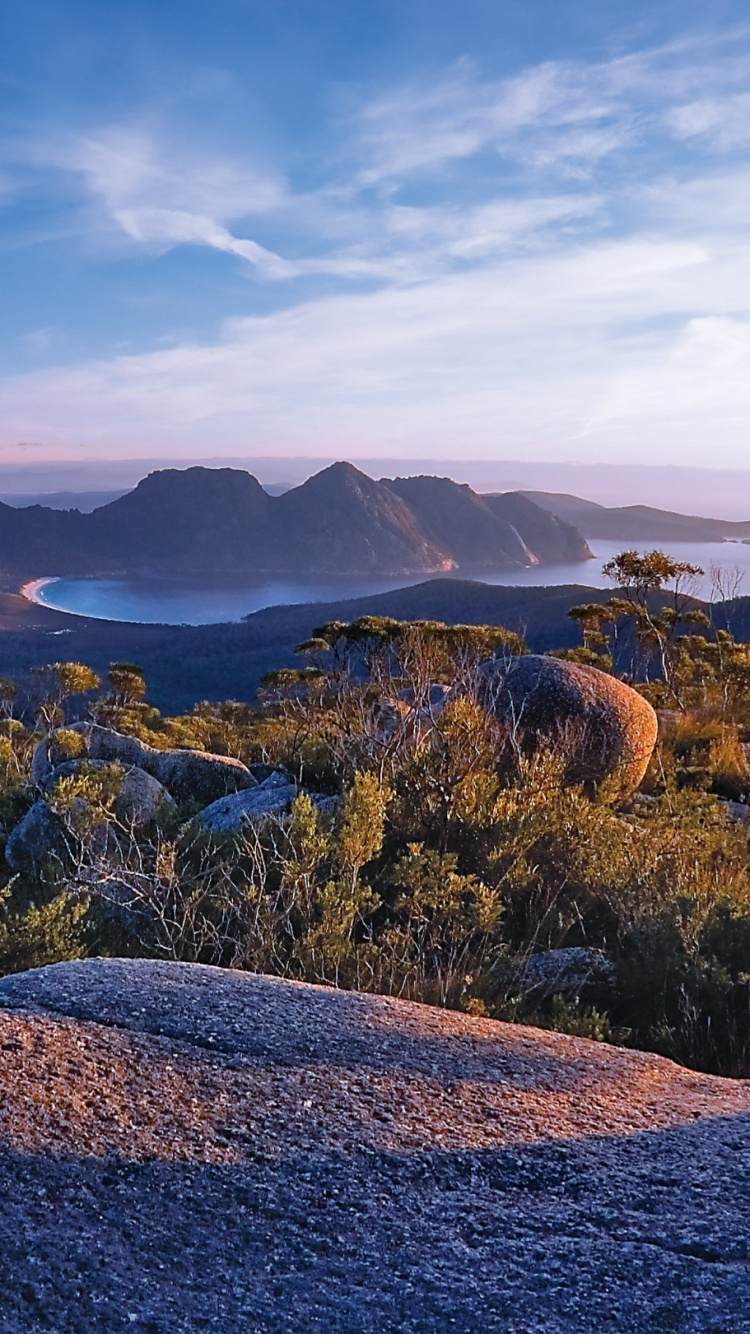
pixel 173 227
pixel 562 292
pixel 159 194
pixel 559 113
pixel 128 166
pixel 545 355
pixel 418 130
pixel 699 386
pixel 723 122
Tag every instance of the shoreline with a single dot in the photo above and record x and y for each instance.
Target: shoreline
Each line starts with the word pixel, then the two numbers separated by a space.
pixel 33 588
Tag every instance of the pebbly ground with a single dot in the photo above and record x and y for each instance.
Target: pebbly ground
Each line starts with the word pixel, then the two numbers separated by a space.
pixel 185 1148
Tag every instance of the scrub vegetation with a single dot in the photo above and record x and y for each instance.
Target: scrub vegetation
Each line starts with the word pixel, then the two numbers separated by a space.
pixel 453 865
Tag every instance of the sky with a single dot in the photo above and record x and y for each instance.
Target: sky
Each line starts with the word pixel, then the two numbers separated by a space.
pixel 444 229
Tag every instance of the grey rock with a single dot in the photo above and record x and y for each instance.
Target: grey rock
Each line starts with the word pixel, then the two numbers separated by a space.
pixel 41 765
pixel 336 1163
pixel 737 811
pixel 262 772
pixel 274 798
pixel 142 800
pixel 564 972
pixel 189 775
pixel 229 814
pixel 276 779
pixel 40 844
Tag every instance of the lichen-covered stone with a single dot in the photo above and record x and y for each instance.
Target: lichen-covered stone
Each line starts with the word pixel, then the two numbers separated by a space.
pixel 567 972
pixel 197 775
pixel 604 728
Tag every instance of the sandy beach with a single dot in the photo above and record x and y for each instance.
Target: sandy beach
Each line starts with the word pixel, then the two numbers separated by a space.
pixel 31 590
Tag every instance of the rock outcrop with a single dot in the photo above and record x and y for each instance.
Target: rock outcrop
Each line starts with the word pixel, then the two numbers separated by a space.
pixel 44 845
pixel 274 797
pixel 570 972
pixel 603 728
pixel 41 845
pixel 152 785
pixel 188 775
pixel 141 801
pixel 188 1148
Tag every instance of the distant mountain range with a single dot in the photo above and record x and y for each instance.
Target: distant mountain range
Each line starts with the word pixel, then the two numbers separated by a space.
pixel 86 501
pixel 634 523
pixel 222 521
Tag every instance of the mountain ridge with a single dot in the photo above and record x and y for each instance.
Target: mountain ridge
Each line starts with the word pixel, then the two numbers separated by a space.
pixel 470 525
pixel 636 523
pixel 221 521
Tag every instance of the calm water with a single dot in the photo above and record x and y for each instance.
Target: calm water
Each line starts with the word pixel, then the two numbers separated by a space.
pixel 212 602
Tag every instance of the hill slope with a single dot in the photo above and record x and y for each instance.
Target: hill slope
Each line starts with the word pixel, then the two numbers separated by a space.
pixel 189 1148
pixel 197 519
pixel 488 532
pixel 341 520
pixel 184 664
pixel 556 542
pixel 636 523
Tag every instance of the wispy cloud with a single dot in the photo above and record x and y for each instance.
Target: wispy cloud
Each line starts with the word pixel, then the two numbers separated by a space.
pixel 158 194
pixel 539 354
pixel 553 113
pixel 549 262
pixel 721 122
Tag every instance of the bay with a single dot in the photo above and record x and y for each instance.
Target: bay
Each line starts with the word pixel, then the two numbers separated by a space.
pixel 222 599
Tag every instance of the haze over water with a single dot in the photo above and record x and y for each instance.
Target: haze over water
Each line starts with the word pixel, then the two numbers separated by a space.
pixel 213 601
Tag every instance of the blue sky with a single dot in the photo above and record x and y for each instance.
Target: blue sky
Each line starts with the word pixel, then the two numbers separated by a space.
pixel 316 227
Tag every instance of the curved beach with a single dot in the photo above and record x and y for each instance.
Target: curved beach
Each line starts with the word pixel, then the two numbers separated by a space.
pixel 31 591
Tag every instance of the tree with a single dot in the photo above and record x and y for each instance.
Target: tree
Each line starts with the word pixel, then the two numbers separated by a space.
pixel 127 684
pixel 655 601
pixel 61 681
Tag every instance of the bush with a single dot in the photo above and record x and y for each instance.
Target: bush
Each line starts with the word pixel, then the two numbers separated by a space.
pixel 452 856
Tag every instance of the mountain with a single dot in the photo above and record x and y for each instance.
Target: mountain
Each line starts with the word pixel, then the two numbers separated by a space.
pixel 554 543
pixel 44 541
pixel 635 523
pixel 341 520
pixel 199 519
pixel 459 521
pixel 483 532
pixel 221 521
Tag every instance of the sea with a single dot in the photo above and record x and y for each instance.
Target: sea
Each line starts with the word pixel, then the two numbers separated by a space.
pixel 217 600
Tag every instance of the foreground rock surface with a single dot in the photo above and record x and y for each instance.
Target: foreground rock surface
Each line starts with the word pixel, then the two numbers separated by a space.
pixel 190 1149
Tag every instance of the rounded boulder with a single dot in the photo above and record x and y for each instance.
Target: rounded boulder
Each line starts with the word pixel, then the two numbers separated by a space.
pixel 40 845
pixel 188 775
pixel 604 729
pixel 141 800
